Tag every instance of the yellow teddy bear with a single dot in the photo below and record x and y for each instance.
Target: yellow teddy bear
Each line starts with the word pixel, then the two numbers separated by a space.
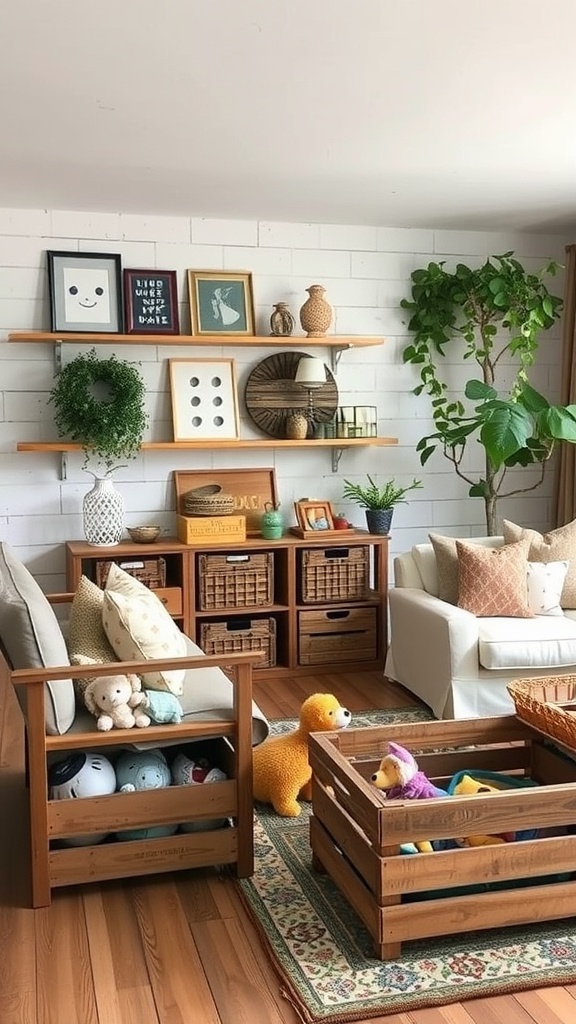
pixel 281 769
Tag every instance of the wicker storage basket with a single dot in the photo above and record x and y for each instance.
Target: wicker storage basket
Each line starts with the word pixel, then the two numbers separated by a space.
pixel 335 574
pixel 237 635
pixel 208 501
pixel 235 581
pixel 150 571
pixel 549 704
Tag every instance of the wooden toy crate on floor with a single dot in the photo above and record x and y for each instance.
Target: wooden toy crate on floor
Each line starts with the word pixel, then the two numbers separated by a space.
pixel 356 833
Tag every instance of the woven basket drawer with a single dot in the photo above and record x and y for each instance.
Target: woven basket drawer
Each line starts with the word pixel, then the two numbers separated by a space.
pixel 237 635
pixel 338 635
pixel 335 574
pixel 240 580
pixel 150 571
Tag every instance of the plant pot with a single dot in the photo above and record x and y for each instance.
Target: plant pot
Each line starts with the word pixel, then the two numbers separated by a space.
pixel 379 520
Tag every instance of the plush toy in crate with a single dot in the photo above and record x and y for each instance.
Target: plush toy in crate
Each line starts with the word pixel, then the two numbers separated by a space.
pixel 143 769
pixel 282 773
pixel 401 779
pixel 82 774
pixel 188 771
pixel 116 702
pixel 480 783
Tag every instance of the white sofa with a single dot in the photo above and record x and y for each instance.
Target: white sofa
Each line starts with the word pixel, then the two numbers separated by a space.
pixel 458 664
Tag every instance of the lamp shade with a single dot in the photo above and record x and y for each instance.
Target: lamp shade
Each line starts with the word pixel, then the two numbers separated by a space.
pixel 310 372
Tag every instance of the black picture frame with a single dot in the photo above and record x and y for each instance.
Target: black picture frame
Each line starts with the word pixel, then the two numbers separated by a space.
pixel 151 302
pixel 85 292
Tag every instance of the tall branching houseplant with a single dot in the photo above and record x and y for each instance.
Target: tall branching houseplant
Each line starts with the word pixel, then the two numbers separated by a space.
pixel 496 314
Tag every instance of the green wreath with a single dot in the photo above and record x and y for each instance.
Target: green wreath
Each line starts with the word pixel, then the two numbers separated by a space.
pixel 109 426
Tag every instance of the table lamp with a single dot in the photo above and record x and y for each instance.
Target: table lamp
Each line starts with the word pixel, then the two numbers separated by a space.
pixel 310 374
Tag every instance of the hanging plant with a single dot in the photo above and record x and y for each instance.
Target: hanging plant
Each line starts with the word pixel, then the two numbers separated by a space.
pixel 100 403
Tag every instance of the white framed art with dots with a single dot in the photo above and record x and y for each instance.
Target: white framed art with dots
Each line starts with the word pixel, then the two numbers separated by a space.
pixel 204 399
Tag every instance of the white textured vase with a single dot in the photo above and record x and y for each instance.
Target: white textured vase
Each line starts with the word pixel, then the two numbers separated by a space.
pixel 103 509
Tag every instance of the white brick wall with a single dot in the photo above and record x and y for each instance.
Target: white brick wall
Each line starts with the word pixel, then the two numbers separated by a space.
pixel 365 271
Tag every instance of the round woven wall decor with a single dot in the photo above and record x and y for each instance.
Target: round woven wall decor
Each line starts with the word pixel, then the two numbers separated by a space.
pixel 272 394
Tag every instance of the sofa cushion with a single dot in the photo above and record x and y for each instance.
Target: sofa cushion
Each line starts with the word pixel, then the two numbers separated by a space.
pixel 492 581
pixel 545 583
pixel 31 635
pixel 87 641
pixel 447 562
pixel 544 642
pixel 557 545
pixel 139 627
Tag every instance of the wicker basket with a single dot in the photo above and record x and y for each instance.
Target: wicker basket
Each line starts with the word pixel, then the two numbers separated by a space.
pixel 549 704
pixel 335 574
pixel 235 581
pixel 150 571
pixel 208 501
pixel 237 635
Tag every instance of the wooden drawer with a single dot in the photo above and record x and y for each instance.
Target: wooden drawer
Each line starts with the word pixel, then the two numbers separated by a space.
pixel 337 635
pixel 171 598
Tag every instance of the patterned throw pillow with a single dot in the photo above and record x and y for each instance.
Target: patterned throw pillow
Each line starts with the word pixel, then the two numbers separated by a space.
pixel 492 581
pixel 558 545
pixel 139 628
pixel 545 582
pixel 86 636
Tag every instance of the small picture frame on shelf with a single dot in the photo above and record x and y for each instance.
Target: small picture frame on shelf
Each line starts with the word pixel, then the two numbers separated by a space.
pixel 85 292
pixel 204 399
pixel 151 302
pixel 221 302
pixel 314 516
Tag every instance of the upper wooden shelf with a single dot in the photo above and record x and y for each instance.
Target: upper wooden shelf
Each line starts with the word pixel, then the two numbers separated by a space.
pixel 241 442
pixel 331 340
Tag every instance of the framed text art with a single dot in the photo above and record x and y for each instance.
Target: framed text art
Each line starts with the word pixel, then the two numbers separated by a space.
pixel 221 302
pixel 204 399
pixel 151 302
pixel 85 292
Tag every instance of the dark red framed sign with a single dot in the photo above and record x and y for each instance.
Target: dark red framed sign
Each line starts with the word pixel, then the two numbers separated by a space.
pixel 151 302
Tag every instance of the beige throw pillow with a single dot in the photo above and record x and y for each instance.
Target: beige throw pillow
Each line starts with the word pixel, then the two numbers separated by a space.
pixel 86 636
pixel 446 566
pixel 492 581
pixel 558 545
pixel 139 628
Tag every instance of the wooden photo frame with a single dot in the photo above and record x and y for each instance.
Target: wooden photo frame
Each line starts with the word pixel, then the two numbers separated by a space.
pixel 221 302
pixel 204 399
pixel 314 516
pixel 151 302
pixel 85 292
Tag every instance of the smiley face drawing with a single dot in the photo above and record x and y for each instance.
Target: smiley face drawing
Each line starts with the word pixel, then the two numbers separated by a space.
pixel 86 295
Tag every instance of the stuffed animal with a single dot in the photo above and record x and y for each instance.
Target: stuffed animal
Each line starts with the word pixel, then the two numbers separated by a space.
pixel 114 700
pixel 162 706
pixel 467 786
pixel 143 769
pixel 401 779
pixel 281 769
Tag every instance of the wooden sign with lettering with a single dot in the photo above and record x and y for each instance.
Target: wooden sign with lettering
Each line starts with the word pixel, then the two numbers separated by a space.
pixel 151 302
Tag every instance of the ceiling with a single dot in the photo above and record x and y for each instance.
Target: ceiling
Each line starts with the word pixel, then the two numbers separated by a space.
pixel 408 113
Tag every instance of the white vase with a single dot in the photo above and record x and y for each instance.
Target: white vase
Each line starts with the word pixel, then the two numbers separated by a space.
pixel 103 509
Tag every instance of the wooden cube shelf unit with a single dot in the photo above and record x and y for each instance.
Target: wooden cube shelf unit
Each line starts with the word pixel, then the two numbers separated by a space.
pixel 259 592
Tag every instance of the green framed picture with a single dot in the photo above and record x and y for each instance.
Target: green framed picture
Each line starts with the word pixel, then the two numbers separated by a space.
pixel 221 302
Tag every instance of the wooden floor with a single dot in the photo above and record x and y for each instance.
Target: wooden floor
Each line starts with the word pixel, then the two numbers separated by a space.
pixel 175 949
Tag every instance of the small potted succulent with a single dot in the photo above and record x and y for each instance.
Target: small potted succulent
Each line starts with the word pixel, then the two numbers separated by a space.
pixel 379 502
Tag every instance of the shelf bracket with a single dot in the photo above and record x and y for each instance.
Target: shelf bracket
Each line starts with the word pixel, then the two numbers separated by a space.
pixel 57 357
pixel 335 354
pixel 336 456
pixel 63 465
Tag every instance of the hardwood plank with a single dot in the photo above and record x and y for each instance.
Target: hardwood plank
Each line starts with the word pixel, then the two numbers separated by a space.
pixel 548 1005
pixel 64 971
pixel 497 1009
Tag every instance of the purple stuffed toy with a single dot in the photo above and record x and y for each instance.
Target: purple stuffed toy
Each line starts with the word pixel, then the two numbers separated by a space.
pixel 401 778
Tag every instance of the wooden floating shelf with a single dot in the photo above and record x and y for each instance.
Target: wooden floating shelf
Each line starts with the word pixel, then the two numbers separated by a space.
pixel 332 442
pixel 332 341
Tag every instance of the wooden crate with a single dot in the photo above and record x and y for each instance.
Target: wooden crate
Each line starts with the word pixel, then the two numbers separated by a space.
pixel 236 635
pixel 237 580
pixel 337 635
pixel 211 529
pixel 335 574
pixel 252 490
pixel 356 833
pixel 150 571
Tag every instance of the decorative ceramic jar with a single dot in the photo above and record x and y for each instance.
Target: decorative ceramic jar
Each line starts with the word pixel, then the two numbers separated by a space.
pixel 296 426
pixel 271 523
pixel 103 509
pixel 281 321
pixel 316 313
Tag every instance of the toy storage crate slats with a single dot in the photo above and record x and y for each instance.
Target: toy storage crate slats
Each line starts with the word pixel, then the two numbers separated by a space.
pixel 237 580
pixel 335 574
pixel 150 571
pixel 356 833
pixel 238 635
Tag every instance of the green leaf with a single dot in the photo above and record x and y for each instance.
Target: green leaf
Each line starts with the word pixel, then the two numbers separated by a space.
pixel 478 391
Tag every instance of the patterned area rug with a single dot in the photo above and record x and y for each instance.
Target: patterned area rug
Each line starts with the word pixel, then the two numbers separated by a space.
pixel 323 952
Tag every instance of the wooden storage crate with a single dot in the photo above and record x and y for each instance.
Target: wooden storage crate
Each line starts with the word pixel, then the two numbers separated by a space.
pixel 150 571
pixel 356 833
pixel 235 636
pixel 335 574
pixel 211 529
pixel 237 580
pixel 337 635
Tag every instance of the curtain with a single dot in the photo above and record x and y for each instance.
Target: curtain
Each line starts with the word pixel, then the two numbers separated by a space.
pixel 564 508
